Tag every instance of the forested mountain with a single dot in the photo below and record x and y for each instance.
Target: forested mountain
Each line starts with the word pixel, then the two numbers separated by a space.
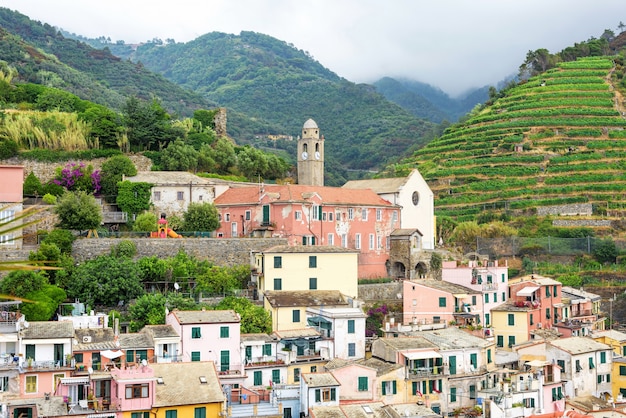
pixel 428 102
pixel 42 55
pixel 267 79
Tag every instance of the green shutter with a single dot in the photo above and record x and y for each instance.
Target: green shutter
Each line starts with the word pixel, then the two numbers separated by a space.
pixel 511 318
pixel 318 395
pixel 266 214
pixel 394 388
pixel 333 394
pixel 442 302
pixel 383 388
pixel 195 356
pixel 258 378
pixel 224 360
pixel 452 394
pixel 350 326
pixel 224 332
pixel 452 364
pixel 474 360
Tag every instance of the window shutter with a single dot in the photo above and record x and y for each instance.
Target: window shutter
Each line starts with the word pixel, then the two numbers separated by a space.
pixel 318 395
pixel 394 388
pixel 384 390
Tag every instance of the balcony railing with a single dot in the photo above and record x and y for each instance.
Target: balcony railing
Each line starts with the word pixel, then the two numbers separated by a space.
pixel 420 372
pixel 490 286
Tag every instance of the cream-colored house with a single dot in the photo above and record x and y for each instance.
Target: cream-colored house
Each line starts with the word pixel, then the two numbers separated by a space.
pixel 293 268
pixel 413 195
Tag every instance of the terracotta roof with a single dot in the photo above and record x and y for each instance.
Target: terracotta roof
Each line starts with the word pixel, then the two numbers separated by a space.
pixel 182 386
pixel 292 193
pixel 281 298
pixel 93 339
pixel 49 329
pixel 206 317
pixel 445 286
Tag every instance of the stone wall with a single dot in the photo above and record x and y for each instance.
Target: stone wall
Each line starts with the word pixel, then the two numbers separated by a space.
pixel 219 121
pixel 582 222
pixel 566 210
pixel 220 251
pixel 381 292
pixel 45 171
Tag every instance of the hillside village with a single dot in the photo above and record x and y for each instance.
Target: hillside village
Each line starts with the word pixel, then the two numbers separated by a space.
pixel 469 342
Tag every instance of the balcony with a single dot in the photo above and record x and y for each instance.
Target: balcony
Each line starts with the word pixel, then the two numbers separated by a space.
pixel 424 372
pixel 490 286
pixel 232 371
pixel 265 361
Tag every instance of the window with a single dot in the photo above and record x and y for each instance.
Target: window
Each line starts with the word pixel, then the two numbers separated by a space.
pixel 603 357
pixel 350 326
pixel 157 196
pixel 578 367
pixel 297 215
pixel 389 387
pixel 312 261
pixel 228 217
pixel 371 241
pixel 296 374
pixel 278 262
pixel 557 394
pixel 233 229
pixel 4 382
pixel 379 241
pixel 495 298
pixel 138 390
pixel 324 215
pixel 30 351
pixel 357 241
pixel 474 360
pixel 547 291
pixel 330 216
pixel 547 313
pixel 180 195
pixel 224 332
pixel 351 349
pixel 452 394
pixel 195 332
pixel 276 376
pixel 172 413
pixel 258 378
pixel 195 356
pixel 591 365
pixel 199 412
pixel 248 215
pixel 555 291
pixel 531 320
pixel 503 297
pixel 487 319
pixel 529 402
pixel 379 215
pixel 224 360
pixel 144 414
pixel 331 239
pixel 364 214
pixel 472 392
pixel 486 297
pixel 31 384
pixel 511 318
pixel 267 349
pixel 78 357
pixel 442 302
pixel 316 210
pixel 295 315
pixel 561 364
pixel 325 395
pixel 278 284
pixel 312 283
pixel 474 300
pixel 350 214
pixel 500 342
pixel 489 355
pixel 313 369
pixel 503 279
pixel 344 240
pixel 489 278
pixel 394 217
pixel 511 340
pixel 363 386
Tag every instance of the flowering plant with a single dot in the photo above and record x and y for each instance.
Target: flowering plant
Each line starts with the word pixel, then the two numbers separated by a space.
pixel 77 176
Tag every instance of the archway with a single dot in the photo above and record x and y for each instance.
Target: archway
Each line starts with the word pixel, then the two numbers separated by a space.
pixel 421 269
pixel 399 270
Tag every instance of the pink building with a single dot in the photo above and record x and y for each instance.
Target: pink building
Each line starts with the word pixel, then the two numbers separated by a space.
pixel 437 302
pixel 580 313
pixel 538 292
pixel 485 276
pixel 313 215
pixel 11 196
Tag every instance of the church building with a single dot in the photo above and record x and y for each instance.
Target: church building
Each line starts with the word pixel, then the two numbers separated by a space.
pixel 311 155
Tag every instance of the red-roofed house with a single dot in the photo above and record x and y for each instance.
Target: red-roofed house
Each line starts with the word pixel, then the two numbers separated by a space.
pixel 313 215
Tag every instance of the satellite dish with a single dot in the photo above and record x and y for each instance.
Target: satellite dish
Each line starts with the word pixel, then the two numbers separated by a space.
pixel 176 286
pixel 144 362
pixel 26 324
pixel 90 370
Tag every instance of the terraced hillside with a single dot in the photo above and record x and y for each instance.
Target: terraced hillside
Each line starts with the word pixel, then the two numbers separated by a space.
pixel 557 138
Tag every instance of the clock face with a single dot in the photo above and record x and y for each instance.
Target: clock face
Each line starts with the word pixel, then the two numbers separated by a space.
pixel 415 198
pixel 305 155
pixel 317 155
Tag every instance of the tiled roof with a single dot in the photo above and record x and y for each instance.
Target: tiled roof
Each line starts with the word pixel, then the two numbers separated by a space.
pixel 292 193
pixel 256 337
pixel 160 331
pixel 453 338
pixel 388 185
pixel 181 384
pixel 610 333
pixel 281 298
pixel 173 178
pixel 297 333
pixel 135 340
pixel 94 339
pixel 574 293
pixel 510 307
pixel 305 249
pixel 316 380
pixel 382 367
pixel 407 343
pixel 452 288
pixel 578 345
pixel 49 329
pixel 206 316
pixel 358 410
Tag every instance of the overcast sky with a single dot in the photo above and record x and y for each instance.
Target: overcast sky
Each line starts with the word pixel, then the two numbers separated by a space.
pixel 451 44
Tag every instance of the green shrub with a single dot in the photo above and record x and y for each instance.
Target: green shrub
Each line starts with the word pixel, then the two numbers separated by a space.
pixel 62 238
pixel 125 248
pixel 8 149
pixel 49 199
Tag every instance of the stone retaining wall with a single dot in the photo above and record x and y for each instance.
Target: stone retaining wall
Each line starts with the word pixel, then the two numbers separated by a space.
pixel 219 251
pixel 381 292
pixel 582 222
pixel 566 210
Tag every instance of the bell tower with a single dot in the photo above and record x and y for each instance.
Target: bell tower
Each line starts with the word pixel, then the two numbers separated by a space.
pixel 311 155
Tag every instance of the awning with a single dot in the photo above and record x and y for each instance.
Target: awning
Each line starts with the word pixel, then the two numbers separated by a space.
pixel 105 415
pixel 527 291
pixel 111 354
pixel 460 295
pixel 537 363
pixel 75 380
pixel 422 355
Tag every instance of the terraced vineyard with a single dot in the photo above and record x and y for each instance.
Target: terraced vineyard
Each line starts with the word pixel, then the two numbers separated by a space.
pixel 558 138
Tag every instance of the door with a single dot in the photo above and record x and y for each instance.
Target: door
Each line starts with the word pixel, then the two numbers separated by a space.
pixel 266 215
pixel 225 361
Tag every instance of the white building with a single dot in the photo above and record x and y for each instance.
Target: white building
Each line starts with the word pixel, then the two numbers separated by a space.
pixel 345 328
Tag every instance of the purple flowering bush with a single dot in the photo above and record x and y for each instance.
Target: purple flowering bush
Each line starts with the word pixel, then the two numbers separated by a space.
pixel 375 318
pixel 77 176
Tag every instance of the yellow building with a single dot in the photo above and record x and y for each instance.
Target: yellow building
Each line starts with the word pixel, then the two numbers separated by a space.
pixel 307 267
pixel 294 370
pixel 190 389
pixel 613 338
pixel 288 308
pixel 618 378
pixel 511 324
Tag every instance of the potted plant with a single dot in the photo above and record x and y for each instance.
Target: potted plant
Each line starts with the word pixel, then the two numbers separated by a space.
pixel 29 362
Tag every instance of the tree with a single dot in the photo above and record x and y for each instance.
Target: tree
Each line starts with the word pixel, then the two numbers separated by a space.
pixel 32 185
pixel 179 157
pixel 133 198
pixel 78 211
pixel 605 251
pixel 252 162
pixel 220 280
pixel 147 310
pixel 201 217
pixel 254 319
pixel 106 280
pixel 465 235
pixel 224 155
pixel 145 222
pixel 112 172
pixel 146 124
pixel 105 124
